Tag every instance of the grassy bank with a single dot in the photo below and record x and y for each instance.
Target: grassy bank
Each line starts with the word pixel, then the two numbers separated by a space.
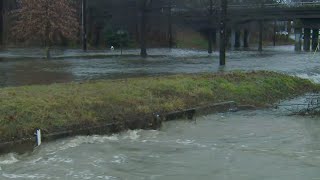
pixel 191 40
pixel 62 106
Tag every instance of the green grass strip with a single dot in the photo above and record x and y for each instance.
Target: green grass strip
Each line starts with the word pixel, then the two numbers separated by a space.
pixel 62 106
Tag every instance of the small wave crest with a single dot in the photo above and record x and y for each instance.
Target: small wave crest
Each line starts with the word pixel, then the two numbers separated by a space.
pixel 119 159
pixel 8 159
pixel 25 176
pixel 190 142
pixel 132 135
pixel 77 141
pixel 313 77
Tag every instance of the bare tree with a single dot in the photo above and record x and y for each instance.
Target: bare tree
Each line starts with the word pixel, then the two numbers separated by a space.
pixel 211 30
pixel 45 20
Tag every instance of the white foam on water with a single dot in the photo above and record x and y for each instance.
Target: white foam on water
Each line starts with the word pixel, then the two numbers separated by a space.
pixel 106 177
pixel 200 145
pixel 154 156
pixel 313 77
pixel 87 174
pixel 25 176
pixel 57 159
pixel 188 142
pixel 119 159
pixel 35 161
pixel 185 142
pixel 8 159
pixel 79 140
pixel 132 135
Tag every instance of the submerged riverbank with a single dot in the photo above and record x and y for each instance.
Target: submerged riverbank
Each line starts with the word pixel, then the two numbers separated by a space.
pixel 61 107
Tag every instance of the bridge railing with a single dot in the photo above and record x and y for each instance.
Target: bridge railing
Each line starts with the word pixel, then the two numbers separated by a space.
pixel 176 10
pixel 275 5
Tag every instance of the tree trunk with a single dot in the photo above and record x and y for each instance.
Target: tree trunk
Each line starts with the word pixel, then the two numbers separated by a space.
pixel 210 30
pixel 84 25
pixel 260 35
pixel 47 34
pixel 223 17
pixel 143 32
pixel 1 21
pixel 48 55
pixel 170 35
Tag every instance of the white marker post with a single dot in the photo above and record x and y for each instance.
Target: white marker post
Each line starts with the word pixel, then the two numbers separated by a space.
pixel 38 136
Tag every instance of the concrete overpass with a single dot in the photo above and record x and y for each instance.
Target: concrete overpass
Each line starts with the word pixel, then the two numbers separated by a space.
pixel 274 11
pixel 307 14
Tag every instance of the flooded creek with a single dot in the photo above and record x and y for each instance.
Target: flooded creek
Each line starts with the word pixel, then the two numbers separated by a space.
pixel 247 145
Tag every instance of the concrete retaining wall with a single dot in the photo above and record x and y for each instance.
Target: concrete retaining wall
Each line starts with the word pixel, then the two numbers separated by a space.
pixel 151 122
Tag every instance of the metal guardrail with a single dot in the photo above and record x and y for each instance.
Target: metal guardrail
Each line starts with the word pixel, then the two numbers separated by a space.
pixel 275 5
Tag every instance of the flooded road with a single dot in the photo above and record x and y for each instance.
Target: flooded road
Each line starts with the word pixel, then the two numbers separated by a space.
pixel 16 70
pixel 241 146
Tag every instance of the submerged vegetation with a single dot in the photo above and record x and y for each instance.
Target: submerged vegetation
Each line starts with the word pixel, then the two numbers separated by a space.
pixel 63 106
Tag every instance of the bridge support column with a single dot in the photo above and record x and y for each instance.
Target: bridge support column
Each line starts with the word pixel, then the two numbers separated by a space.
pixel 210 40
pixel 237 39
pixel 214 38
pixel 232 39
pixel 217 39
pixel 315 39
pixel 246 38
pixel 274 38
pixel 306 42
pixel 298 34
pixel 260 35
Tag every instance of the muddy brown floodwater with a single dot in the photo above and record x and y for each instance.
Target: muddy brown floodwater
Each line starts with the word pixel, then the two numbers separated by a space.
pixel 247 145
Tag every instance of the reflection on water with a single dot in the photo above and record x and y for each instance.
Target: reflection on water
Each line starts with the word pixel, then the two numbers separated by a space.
pixel 16 71
pixel 244 145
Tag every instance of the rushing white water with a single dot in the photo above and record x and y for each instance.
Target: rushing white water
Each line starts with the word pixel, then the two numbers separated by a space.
pixel 244 145
pixel 8 159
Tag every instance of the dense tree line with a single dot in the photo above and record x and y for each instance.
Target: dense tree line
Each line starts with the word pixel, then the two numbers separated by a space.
pixel 109 22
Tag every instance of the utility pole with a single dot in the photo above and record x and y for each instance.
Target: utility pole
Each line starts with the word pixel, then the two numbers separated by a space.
pixel 84 25
pixel 260 35
pixel 260 24
pixel 222 27
pixel 210 29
